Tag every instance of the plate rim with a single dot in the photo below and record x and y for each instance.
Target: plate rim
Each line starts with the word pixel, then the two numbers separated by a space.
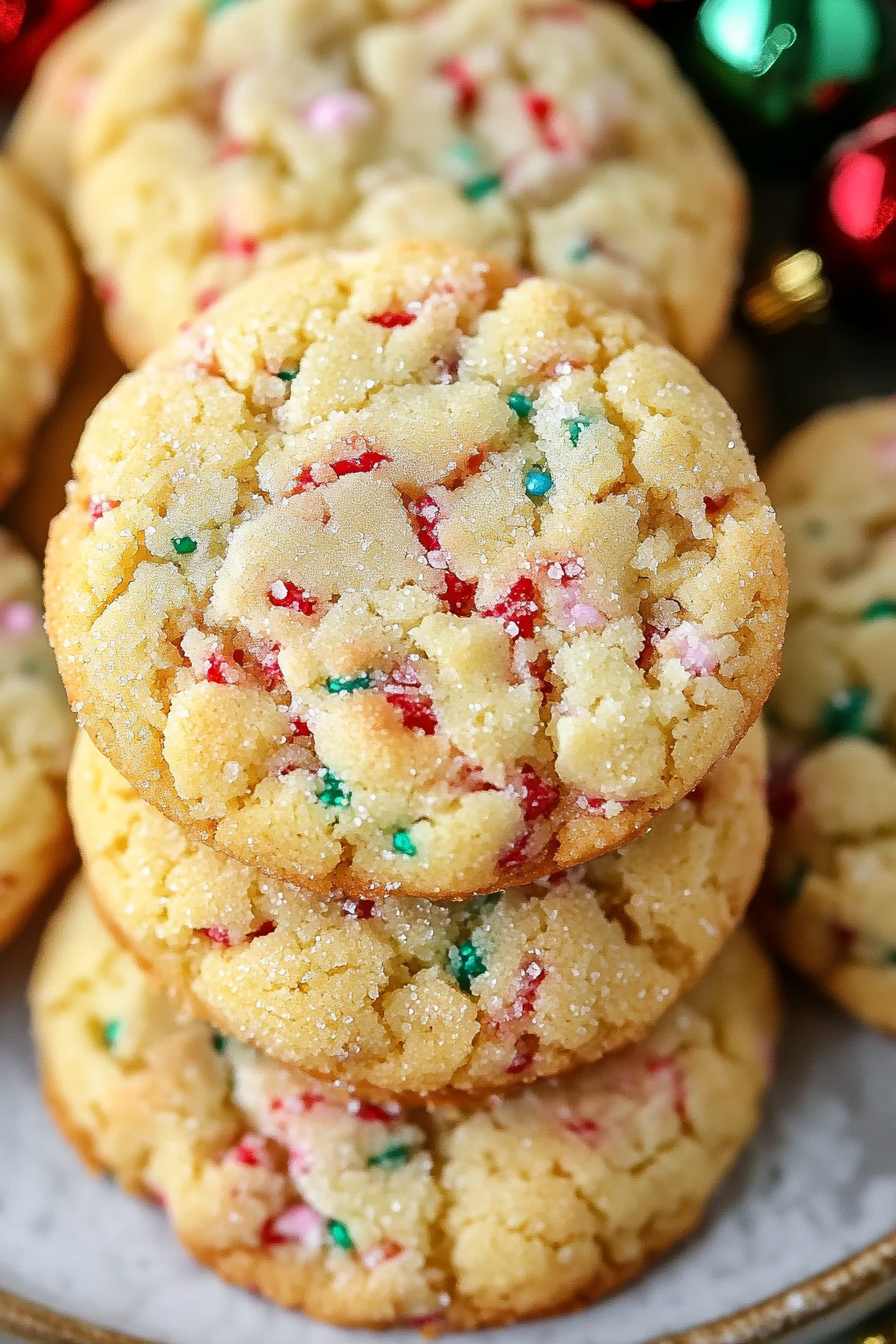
pixel 797 1308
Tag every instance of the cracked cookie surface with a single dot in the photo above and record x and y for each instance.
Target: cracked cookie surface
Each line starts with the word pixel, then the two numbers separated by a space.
pixel 391 577
pixel 38 311
pixel 417 997
pixel 831 903
pixel 376 1215
pixel 36 731
pixel 558 135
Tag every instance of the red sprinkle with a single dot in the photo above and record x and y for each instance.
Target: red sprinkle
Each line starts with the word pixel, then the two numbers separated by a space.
pixel 298 1103
pixel 262 931
pixel 366 1110
pixel 270 669
pixel 532 973
pixel 216 669
pixel 292 597
pixel 673 1071
pixel 206 297
pixel 588 1131
pixel 516 855
pixel 416 712
pixel 542 111
pixel 460 595
pixel 356 907
pixel 366 461
pixel 540 796
pixel 466 90
pixel 424 520
pixel 526 1049
pixel 715 505
pixel 299 728
pixel 517 611
pixel 392 319
pixel 250 1152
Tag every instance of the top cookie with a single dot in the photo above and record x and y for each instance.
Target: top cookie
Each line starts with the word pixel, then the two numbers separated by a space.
pixel 396 577
pixel 833 908
pixel 233 135
pixel 38 308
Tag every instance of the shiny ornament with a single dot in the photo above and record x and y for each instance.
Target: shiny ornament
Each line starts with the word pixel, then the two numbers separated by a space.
pixel 785 77
pixel 27 27
pixel 852 221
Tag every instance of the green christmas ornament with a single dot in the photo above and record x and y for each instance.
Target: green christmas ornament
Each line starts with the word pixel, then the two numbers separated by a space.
pixel 785 77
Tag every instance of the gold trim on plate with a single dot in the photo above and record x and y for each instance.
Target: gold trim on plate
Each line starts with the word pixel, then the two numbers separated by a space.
pixel 798 1307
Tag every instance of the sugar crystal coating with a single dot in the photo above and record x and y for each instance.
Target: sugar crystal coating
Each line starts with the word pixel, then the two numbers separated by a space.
pixel 380 1215
pixel 417 997
pixel 456 640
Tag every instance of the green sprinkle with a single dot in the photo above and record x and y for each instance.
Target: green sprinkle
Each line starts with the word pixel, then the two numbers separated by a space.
pixel 216 6
pixel 403 844
pixel 538 483
pixel 219 1041
pixel 520 404
pixel 576 426
pixel 183 545
pixel 340 1235
pixel 890 956
pixel 580 251
pixel 288 374
pixel 815 528
pixel 334 793
pixel 480 187
pixel 845 713
pixel 465 963
pixel 881 610
pixel 340 685
pixel 465 152
pixel 790 888
pixel 112 1032
pixel 396 1155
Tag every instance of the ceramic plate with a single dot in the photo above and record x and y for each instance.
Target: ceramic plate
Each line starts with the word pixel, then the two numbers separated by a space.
pixel 816 1188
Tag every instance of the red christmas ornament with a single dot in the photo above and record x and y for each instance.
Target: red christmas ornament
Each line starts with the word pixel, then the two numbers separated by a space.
pixel 27 27
pixel 853 217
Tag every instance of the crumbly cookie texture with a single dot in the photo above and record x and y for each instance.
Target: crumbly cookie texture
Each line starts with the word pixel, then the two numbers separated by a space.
pixel 40 137
pixel 831 903
pixel 36 732
pixel 225 138
pixel 418 997
pixel 393 578
pixel 38 311
pixel 367 1214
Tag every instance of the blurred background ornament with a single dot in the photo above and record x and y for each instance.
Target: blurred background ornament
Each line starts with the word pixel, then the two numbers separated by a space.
pixel 27 27
pixel 785 77
pixel 852 218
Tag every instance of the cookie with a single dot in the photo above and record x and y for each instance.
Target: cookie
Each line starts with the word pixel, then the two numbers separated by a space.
pixel 40 137
pixel 228 137
pixel 377 1215
pixel 831 906
pixel 36 731
pixel 394 578
pixel 38 312
pixel 417 997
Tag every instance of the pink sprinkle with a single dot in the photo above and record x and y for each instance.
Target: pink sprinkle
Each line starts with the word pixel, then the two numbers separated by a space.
pixel 695 651
pixel 106 291
pixel 298 1223
pixel 19 618
pixel 586 617
pixel 235 244
pixel 100 505
pixel 206 297
pixel 336 111
pixel 251 1151
pixel 230 149
pixel 671 1071
pixel 466 90
pixel 300 1160
pixel 216 934
pixel 885 452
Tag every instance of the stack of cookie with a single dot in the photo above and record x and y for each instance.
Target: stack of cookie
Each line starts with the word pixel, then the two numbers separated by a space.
pixel 414 614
